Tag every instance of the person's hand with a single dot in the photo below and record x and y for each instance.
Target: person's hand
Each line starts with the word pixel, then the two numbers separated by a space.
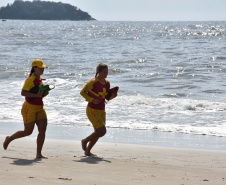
pixel 39 94
pixel 45 93
pixel 96 101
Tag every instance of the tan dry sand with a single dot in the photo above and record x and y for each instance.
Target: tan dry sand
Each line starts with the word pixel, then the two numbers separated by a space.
pixel 116 164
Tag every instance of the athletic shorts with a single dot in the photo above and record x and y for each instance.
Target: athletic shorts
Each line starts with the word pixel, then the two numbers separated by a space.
pixel 33 113
pixel 96 117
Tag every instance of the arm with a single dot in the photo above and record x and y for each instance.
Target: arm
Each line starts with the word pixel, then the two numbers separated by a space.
pixel 31 95
pixel 84 92
pixel 29 90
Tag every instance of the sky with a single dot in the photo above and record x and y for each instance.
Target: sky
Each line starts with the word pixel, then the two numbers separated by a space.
pixel 149 10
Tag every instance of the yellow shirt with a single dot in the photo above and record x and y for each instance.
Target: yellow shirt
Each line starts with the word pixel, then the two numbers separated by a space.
pixel 99 89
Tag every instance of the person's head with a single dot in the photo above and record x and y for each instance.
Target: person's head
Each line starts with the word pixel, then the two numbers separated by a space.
pixel 37 67
pixel 102 70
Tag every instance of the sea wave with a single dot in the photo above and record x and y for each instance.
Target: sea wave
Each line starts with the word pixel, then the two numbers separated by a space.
pixel 170 74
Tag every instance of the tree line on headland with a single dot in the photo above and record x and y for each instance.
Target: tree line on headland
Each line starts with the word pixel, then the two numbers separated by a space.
pixel 43 10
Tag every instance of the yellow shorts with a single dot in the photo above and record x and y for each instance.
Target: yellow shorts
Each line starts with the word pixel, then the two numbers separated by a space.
pixel 33 113
pixel 96 117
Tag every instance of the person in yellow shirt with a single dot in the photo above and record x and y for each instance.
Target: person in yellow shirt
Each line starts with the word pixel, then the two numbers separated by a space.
pixel 95 92
pixel 33 111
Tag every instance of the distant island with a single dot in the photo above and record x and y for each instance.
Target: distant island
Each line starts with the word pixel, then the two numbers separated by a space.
pixel 43 10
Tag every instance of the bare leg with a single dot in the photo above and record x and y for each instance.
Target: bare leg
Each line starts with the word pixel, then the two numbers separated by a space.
pixel 28 129
pixel 41 124
pixel 8 139
pixel 92 139
pixel 90 146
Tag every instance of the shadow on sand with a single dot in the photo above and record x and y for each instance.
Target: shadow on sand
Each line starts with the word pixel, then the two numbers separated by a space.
pixel 24 162
pixel 92 160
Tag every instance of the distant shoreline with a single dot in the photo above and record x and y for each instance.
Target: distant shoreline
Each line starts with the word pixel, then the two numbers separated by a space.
pixel 107 20
pixel 45 20
pixel 43 10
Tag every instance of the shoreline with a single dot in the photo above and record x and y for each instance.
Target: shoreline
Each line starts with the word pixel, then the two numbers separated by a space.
pixel 127 136
pixel 116 163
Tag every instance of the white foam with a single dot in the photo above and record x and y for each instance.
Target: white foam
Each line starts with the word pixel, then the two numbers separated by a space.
pixel 168 114
pixel 65 106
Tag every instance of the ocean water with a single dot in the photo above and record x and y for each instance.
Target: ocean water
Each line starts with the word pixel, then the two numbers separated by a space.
pixel 171 74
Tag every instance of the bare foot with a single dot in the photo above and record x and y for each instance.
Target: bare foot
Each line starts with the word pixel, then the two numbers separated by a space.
pixel 41 157
pixel 83 145
pixel 6 142
pixel 89 154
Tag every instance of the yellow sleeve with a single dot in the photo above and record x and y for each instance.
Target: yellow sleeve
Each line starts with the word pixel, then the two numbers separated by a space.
pixel 84 91
pixel 28 84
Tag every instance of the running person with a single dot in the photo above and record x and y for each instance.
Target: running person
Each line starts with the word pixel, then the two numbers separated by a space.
pixel 33 111
pixel 95 110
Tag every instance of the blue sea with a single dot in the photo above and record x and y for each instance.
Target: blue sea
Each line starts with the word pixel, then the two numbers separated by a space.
pixel 171 75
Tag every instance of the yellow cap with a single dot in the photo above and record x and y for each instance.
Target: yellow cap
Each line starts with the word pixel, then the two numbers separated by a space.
pixel 39 63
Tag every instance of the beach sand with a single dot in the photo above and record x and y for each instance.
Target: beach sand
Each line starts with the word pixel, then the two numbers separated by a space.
pixel 121 164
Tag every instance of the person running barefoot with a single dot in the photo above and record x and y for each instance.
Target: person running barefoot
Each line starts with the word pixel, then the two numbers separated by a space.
pixel 33 111
pixel 95 92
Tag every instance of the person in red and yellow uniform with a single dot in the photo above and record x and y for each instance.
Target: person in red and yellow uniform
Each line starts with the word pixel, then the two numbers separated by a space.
pixel 33 111
pixel 95 92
